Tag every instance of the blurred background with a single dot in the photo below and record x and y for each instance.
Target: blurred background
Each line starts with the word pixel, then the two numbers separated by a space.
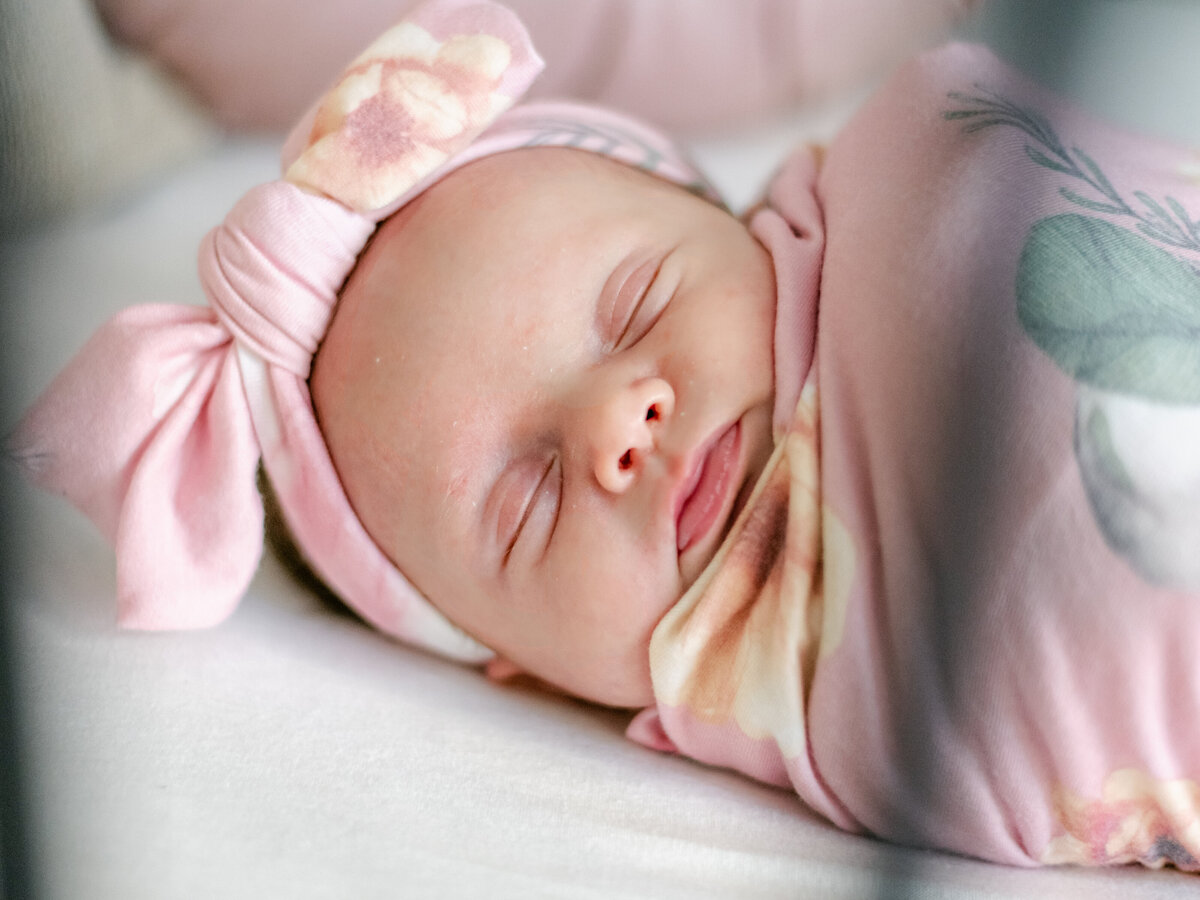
pixel 100 95
pixel 1133 62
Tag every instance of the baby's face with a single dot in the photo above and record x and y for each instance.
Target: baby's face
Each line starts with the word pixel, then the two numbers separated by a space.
pixel 547 390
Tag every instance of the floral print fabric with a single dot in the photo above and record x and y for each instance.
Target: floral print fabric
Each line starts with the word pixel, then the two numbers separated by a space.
pixel 974 627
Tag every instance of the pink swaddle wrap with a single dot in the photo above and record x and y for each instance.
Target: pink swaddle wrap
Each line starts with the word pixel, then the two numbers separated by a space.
pixel 962 610
pixel 156 428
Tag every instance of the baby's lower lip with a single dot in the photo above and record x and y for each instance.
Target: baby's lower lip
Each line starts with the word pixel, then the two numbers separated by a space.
pixel 703 507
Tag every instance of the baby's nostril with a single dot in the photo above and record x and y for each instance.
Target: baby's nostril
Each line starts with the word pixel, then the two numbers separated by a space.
pixel 652 413
pixel 626 460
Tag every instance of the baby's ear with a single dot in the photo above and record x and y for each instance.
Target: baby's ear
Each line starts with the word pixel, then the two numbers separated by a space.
pixel 499 669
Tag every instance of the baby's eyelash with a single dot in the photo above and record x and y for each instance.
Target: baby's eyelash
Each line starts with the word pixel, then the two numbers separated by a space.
pixel 526 511
pixel 557 509
pixel 651 286
pixel 629 320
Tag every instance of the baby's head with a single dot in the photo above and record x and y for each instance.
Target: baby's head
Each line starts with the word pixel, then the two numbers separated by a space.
pixel 547 389
pixel 502 364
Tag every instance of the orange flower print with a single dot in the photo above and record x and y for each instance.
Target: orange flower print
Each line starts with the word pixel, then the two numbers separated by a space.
pixel 401 109
pixel 1137 819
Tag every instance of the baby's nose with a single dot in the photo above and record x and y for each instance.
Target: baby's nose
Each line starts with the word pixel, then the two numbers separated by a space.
pixel 625 428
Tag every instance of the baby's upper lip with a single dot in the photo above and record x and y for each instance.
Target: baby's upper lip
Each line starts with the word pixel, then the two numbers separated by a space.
pixel 685 492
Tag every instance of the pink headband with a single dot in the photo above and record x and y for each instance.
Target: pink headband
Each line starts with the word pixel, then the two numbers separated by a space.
pixel 156 428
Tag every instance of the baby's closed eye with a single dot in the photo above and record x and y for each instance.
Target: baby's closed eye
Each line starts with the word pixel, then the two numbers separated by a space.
pixel 531 495
pixel 633 303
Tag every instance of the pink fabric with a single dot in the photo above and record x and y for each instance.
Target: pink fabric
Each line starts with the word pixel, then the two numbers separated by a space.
pixel 790 226
pixel 156 429
pixel 257 64
pixel 963 608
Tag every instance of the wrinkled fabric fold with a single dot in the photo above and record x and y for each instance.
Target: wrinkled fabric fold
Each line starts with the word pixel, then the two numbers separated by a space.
pixel 133 432
pixel 275 288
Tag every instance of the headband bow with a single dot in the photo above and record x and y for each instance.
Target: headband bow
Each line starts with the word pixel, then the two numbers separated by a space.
pixel 155 430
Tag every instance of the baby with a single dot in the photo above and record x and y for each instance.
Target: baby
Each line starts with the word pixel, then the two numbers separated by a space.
pixel 925 551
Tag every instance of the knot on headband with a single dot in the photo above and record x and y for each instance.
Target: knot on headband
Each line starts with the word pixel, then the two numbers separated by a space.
pixel 156 429
pixel 273 269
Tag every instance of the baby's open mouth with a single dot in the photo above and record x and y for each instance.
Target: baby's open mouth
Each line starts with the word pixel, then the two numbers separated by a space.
pixel 703 496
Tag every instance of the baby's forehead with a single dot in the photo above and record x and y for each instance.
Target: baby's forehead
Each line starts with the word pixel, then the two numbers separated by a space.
pixel 533 180
pixel 491 244
pixel 524 166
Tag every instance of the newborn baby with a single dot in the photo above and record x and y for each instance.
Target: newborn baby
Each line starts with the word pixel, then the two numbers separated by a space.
pixel 861 497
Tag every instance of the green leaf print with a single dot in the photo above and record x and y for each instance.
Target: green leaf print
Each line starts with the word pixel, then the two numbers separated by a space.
pixel 987 109
pixel 1111 309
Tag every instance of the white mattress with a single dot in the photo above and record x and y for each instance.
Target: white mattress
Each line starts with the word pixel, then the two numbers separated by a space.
pixel 291 752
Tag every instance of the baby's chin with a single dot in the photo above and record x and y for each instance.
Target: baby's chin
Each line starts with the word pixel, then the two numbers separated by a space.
pixel 696 567
pixel 621 681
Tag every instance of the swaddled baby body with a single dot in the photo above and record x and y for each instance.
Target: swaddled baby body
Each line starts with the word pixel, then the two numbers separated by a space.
pixel 877 436
pixel 963 607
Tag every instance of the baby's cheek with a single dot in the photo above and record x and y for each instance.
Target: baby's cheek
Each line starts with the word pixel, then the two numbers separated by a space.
pixel 622 560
